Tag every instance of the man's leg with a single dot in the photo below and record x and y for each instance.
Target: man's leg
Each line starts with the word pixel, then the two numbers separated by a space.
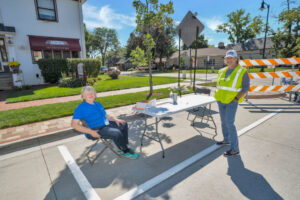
pixel 116 135
pixel 222 111
pixel 231 109
pixel 122 127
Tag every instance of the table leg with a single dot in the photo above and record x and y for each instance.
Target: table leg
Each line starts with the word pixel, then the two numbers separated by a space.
pixel 156 138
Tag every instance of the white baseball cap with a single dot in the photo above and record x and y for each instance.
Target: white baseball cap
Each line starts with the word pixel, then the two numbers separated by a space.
pixel 231 53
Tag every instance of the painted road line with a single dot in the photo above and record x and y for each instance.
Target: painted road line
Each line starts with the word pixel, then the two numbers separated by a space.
pixel 140 189
pixel 82 181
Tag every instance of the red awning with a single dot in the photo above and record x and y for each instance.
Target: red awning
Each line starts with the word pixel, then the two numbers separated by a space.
pixel 53 43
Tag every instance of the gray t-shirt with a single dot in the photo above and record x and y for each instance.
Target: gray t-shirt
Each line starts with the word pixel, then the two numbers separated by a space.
pixel 245 81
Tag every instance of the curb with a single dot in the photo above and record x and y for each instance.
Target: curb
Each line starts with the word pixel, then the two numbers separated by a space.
pixel 31 140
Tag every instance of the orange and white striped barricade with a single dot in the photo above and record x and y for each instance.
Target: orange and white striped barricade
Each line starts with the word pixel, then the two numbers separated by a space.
pixel 273 75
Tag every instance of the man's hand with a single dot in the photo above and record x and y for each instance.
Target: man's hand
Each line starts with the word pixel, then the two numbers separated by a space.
pixel 95 134
pixel 120 121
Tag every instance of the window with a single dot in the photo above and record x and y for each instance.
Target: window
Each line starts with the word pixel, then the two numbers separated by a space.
pixel 37 55
pixel 46 10
pixel 3 50
pixel 75 54
pixel 57 54
pixel 66 54
pixel 48 54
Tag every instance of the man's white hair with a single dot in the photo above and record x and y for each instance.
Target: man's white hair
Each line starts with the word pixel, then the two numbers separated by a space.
pixel 87 89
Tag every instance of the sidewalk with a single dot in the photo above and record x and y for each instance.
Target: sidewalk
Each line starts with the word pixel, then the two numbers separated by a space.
pixel 4 106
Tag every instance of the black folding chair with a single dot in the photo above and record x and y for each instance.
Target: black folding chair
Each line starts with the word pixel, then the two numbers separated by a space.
pixel 107 144
pixel 202 111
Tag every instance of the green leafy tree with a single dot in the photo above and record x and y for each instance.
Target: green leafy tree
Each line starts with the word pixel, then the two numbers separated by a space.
pixel 138 57
pixel 201 42
pixel 104 40
pixel 285 39
pixel 151 15
pixel 240 27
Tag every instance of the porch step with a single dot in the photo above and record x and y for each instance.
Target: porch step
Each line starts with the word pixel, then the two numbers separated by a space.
pixel 6 81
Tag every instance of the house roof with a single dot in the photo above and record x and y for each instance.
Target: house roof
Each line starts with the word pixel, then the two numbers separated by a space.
pixel 211 51
pixel 252 44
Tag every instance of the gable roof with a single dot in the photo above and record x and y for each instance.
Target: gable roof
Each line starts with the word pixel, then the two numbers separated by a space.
pixel 252 44
pixel 211 51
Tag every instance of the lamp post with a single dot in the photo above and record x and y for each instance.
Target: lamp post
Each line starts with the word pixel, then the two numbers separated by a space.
pixel 262 8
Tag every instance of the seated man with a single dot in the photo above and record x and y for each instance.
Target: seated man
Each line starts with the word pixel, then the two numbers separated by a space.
pixel 100 124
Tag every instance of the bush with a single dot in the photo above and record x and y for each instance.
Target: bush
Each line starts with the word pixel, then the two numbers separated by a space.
pixel 131 69
pixel 72 83
pixel 52 69
pixel 114 74
pixel 92 66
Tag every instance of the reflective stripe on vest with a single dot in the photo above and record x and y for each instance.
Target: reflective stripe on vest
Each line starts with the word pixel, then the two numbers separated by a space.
pixel 233 87
pixel 229 88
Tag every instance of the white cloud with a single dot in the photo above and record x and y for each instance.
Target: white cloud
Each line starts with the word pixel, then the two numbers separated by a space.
pixel 212 23
pixel 105 17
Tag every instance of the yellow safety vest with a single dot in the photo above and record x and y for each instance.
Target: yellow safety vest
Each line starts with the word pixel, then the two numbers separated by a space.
pixel 228 88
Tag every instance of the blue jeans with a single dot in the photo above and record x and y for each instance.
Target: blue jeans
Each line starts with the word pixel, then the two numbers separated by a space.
pixel 119 134
pixel 227 114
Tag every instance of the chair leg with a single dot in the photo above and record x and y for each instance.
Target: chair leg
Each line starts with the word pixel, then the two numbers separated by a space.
pixel 107 144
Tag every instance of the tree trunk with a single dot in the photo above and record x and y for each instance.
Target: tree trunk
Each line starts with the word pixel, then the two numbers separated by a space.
pixel 150 76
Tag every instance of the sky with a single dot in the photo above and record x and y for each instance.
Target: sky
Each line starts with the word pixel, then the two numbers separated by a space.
pixel 120 15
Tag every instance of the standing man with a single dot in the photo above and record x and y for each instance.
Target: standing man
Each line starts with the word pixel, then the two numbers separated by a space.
pixel 232 85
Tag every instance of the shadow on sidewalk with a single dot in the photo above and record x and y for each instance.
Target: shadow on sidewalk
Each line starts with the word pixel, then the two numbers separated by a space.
pixel 251 184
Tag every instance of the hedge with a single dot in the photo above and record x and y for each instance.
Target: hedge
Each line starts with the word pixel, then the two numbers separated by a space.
pixel 52 69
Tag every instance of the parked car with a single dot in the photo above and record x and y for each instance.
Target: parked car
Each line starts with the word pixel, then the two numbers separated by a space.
pixel 103 69
pixel 112 69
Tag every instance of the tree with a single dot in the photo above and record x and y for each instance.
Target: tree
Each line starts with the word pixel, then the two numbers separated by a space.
pixel 113 56
pixel 151 15
pixel 285 39
pixel 88 40
pixel 200 42
pixel 138 57
pixel 104 40
pixel 240 26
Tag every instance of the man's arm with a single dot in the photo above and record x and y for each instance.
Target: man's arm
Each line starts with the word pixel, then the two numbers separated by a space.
pixel 118 121
pixel 76 124
pixel 245 87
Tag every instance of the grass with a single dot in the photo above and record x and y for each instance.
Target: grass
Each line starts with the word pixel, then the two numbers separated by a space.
pixel 106 84
pixel 28 115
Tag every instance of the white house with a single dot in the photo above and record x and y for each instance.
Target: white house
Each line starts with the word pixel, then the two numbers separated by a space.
pixel 34 29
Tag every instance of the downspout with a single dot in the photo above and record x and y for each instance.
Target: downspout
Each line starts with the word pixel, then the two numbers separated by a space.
pixel 82 38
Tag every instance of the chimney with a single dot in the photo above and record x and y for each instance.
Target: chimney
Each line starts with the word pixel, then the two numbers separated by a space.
pixel 221 45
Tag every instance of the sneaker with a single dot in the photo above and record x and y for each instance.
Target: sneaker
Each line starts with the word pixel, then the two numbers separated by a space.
pixel 231 153
pixel 130 155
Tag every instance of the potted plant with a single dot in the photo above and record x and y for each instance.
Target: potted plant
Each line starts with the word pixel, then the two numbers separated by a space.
pixel 14 66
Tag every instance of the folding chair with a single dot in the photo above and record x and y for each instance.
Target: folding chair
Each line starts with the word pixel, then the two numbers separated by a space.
pixel 107 144
pixel 202 111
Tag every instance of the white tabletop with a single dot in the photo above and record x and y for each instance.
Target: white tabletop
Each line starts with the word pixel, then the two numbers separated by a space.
pixel 166 107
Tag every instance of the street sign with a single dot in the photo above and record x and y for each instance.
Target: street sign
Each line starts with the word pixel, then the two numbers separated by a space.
pixel 188 28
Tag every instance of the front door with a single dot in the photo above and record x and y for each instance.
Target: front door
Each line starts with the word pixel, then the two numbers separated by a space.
pixel 3 56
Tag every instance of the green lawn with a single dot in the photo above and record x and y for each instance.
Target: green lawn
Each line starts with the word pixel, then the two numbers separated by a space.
pixel 106 84
pixel 28 115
